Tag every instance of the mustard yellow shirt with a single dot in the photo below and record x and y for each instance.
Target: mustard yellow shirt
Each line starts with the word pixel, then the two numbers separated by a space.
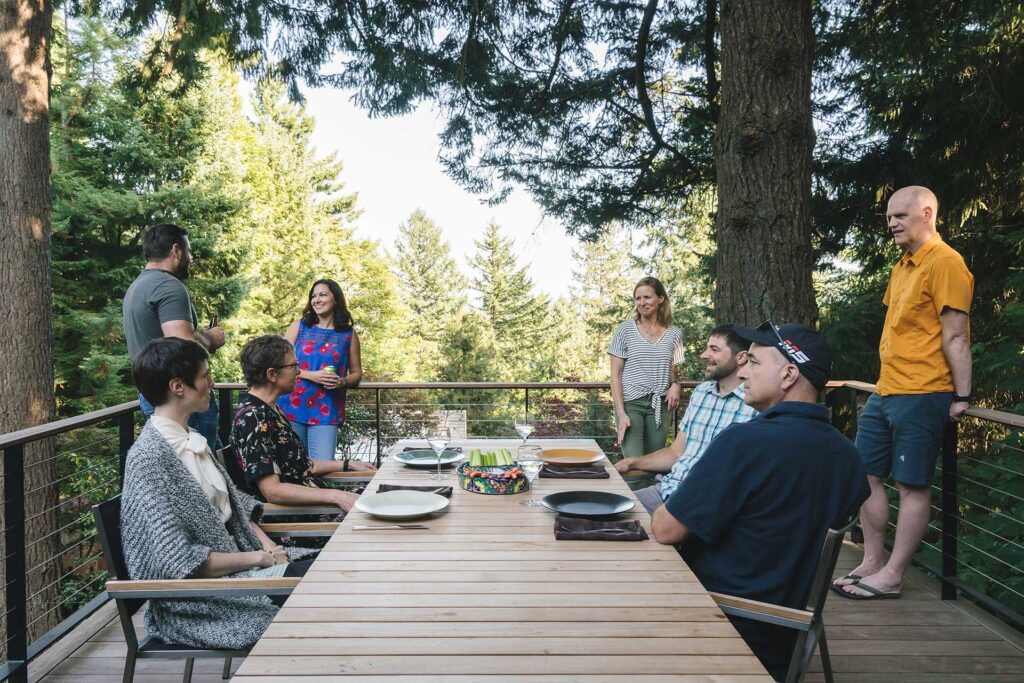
pixel 920 287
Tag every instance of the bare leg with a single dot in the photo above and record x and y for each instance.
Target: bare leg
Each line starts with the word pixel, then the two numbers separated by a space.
pixel 915 510
pixel 874 516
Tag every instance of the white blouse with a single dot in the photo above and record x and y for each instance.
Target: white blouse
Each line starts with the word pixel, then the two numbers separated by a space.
pixel 191 448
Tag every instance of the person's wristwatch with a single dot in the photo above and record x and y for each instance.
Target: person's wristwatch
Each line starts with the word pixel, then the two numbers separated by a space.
pixel 957 398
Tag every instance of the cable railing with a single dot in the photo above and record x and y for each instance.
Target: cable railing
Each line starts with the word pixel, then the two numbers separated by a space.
pixel 974 543
pixel 54 573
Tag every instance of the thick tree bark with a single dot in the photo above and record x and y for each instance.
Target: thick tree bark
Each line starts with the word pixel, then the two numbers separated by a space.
pixel 763 147
pixel 26 365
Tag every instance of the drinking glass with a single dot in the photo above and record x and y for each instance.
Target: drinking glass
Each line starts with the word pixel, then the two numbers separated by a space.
pixel 528 458
pixel 524 426
pixel 438 439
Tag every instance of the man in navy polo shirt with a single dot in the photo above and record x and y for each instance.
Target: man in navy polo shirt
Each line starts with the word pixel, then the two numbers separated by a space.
pixel 753 512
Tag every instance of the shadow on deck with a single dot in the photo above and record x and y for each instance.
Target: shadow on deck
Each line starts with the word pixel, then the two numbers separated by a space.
pixel 917 639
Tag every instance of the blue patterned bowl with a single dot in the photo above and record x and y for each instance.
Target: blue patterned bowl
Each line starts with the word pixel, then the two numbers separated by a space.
pixel 495 486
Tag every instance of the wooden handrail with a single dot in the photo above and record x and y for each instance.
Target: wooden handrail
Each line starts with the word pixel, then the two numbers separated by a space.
pixel 66 425
pixel 71 423
pixel 987 414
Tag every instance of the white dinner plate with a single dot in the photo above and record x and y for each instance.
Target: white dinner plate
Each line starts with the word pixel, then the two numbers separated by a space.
pixel 570 456
pixel 427 457
pixel 401 504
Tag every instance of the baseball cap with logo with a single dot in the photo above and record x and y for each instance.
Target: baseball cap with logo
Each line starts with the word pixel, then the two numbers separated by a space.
pixel 798 344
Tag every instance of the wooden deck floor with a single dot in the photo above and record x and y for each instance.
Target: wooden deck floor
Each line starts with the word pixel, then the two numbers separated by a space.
pixel 917 639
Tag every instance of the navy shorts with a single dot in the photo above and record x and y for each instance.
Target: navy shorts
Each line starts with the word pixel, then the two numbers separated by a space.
pixel 902 435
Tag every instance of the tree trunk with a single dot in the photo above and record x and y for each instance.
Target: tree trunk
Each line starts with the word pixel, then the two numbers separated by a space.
pixel 26 334
pixel 763 147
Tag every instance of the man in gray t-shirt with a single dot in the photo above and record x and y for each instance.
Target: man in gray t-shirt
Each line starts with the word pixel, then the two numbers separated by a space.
pixel 158 305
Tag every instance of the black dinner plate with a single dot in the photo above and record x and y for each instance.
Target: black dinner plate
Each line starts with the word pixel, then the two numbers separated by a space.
pixel 592 504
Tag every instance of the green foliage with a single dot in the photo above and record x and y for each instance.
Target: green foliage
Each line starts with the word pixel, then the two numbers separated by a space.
pixel 518 318
pixel 431 289
pixel 122 159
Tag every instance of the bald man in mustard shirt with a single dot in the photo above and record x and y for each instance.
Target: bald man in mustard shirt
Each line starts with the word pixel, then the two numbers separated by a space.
pixel 925 381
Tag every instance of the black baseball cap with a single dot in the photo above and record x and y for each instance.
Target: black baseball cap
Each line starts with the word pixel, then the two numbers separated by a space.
pixel 798 344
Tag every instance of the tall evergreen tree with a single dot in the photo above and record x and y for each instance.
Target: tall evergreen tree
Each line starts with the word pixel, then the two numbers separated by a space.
pixel 604 274
pixel 432 289
pixel 517 316
pixel 123 159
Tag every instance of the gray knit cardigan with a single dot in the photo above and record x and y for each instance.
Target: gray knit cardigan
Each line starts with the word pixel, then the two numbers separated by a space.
pixel 168 529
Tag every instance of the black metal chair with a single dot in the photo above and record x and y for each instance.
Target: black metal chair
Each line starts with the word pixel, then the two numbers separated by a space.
pixel 130 595
pixel 808 621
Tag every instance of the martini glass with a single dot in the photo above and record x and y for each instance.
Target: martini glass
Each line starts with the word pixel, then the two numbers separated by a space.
pixel 529 460
pixel 438 439
pixel 524 425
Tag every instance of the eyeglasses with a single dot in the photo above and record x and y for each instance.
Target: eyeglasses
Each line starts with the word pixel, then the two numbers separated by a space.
pixel 290 365
pixel 784 346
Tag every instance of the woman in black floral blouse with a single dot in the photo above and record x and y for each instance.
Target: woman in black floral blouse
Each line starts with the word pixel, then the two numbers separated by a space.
pixel 273 458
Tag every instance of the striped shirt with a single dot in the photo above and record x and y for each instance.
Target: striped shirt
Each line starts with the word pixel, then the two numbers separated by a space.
pixel 707 414
pixel 648 366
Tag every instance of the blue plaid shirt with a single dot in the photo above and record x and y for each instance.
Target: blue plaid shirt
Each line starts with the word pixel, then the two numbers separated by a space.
pixel 707 414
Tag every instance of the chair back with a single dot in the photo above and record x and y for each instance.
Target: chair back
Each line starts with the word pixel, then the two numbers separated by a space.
pixel 827 567
pixel 227 458
pixel 107 516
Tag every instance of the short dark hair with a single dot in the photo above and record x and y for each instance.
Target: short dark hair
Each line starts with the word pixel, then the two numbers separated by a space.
pixel 158 240
pixel 260 354
pixel 342 316
pixel 163 360
pixel 732 340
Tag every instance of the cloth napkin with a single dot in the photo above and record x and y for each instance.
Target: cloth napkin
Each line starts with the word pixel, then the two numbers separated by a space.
pixel 574 472
pixel 578 529
pixel 445 491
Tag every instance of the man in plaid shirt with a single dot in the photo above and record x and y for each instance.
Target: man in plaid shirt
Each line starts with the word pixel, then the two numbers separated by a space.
pixel 714 405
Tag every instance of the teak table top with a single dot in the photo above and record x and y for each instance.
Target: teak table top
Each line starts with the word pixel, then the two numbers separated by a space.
pixel 486 593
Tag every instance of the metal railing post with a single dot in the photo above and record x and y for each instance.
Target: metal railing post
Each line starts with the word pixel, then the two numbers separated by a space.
pixel 225 414
pixel 15 594
pixel 526 401
pixel 950 506
pixel 377 423
pixel 125 439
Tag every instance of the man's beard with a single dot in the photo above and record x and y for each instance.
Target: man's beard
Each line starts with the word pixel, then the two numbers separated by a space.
pixel 720 371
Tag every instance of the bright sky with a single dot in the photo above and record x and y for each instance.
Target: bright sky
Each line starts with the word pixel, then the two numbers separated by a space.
pixel 392 163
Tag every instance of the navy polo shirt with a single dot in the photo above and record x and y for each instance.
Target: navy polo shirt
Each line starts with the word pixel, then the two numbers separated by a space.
pixel 759 503
pixel 761 499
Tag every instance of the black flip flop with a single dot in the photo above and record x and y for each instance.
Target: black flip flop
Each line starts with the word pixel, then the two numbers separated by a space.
pixel 875 593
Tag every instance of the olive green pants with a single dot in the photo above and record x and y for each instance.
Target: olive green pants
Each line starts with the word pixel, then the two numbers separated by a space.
pixel 643 436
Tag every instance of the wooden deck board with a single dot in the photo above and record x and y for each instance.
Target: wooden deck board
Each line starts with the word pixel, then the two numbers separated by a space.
pixel 877 643
pixel 918 639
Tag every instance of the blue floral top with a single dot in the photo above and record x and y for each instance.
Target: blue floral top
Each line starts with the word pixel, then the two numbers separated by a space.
pixel 309 403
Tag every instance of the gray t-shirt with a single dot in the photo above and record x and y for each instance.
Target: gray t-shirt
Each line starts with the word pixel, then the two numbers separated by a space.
pixel 156 297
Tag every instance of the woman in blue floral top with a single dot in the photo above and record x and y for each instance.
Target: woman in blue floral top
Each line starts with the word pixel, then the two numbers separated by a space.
pixel 327 350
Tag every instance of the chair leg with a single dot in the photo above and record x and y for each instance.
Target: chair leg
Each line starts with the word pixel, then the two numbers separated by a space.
pixel 188 670
pixel 129 667
pixel 227 669
pixel 826 663
pixel 796 661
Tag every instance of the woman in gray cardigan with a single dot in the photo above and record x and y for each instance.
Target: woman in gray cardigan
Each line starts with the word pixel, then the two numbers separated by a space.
pixel 181 516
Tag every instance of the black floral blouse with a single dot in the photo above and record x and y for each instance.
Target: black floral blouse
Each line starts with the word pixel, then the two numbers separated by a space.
pixel 266 444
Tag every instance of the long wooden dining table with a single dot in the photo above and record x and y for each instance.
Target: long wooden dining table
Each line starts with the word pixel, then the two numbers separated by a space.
pixel 486 593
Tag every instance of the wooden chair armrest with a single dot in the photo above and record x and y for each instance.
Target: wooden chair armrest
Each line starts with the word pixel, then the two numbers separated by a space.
pixel 638 473
pixel 300 530
pixel 200 588
pixel 799 619
pixel 274 510
pixel 357 475
pixel 284 528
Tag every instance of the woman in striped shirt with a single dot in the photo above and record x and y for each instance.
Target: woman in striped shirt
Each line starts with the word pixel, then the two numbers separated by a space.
pixel 641 353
